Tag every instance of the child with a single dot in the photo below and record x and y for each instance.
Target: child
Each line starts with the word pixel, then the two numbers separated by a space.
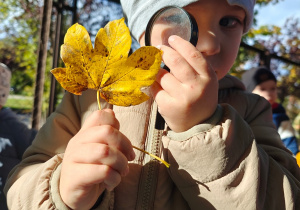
pixel 262 81
pixel 220 141
pixel 15 136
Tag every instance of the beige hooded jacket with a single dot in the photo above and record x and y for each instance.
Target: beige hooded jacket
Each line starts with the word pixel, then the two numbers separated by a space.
pixel 235 160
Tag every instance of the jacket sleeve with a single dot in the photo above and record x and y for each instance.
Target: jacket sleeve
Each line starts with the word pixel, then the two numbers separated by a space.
pixel 33 184
pixel 287 135
pixel 234 162
pixel 28 184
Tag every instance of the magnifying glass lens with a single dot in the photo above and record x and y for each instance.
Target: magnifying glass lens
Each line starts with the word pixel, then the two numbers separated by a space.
pixel 171 21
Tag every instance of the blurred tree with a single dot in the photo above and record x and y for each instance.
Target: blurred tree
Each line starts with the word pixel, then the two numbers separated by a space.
pixel 283 42
pixel 97 13
pixel 19 29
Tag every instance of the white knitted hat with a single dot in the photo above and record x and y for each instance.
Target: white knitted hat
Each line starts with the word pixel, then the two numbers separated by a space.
pixel 139 12
pixel 5 76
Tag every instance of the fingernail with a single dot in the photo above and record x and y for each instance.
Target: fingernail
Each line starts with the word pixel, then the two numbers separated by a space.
pixel 171 38
pixel 158 47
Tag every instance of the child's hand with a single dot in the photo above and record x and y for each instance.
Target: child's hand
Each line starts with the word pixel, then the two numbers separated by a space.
pixel 94 160
pixel 188 95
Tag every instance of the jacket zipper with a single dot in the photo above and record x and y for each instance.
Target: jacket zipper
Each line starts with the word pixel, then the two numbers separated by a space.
pixel 150 170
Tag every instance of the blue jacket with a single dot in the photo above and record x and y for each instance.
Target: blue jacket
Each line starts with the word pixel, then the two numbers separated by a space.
pixel 285 128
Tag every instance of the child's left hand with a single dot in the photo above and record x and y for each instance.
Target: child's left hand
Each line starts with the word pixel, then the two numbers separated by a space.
pixel 188 95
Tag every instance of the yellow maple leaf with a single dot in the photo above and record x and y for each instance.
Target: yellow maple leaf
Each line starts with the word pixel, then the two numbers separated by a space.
pixel 107 67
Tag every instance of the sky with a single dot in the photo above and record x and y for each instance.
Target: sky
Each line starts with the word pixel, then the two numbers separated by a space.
pixel 278 13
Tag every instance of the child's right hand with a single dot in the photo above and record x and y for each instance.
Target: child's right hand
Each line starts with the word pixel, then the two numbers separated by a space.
pixel 188 94
pixel 94 160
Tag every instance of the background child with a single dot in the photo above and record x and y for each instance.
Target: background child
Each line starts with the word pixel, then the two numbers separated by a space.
pixel 15 136
pixel 262 81
pixel 220 141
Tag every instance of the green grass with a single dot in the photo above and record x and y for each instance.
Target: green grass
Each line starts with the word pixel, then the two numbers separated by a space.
pixel 24 104
pixel 21 103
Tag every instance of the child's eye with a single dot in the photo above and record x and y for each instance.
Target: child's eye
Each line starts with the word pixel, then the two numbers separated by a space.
pixel 229 22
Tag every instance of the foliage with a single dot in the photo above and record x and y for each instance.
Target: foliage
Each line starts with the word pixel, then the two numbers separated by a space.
pixel 96 14
pixel 283 42
pixel 18 48
pixel 265 2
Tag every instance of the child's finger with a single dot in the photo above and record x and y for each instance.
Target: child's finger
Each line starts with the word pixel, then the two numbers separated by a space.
pixel 193 56
pixel 167 82
pixel 91 174
pixel 100 154
pixel 178 65
pixel 108 135
pixel 161 96
pixel 101 117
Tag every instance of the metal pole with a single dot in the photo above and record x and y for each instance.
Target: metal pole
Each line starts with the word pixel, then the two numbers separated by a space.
pixel 42 56
pixel 60 7
pixel 52 94
pixel 74 10
pixel 271 56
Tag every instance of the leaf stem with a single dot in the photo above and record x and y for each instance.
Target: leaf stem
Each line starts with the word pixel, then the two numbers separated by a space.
pixel 154 156
pixel 98 99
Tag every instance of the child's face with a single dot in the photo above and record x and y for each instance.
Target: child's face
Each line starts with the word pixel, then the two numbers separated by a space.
pixel 220 30
pixel 268 90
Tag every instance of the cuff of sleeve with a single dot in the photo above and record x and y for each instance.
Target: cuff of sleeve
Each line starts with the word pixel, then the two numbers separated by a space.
pixel 205 126
pixel 54 189
pixel 106 199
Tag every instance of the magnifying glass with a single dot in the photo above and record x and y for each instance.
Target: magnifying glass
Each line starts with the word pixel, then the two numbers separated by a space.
pixel 171 20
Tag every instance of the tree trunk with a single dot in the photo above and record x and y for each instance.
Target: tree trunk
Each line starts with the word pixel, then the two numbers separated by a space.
pixel 42 57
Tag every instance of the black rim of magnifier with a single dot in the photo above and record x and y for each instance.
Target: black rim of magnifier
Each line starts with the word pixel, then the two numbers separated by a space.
pixel 194 27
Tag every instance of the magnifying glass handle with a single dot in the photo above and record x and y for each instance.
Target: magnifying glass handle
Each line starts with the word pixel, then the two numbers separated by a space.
pixel 160 121
pixel 167 68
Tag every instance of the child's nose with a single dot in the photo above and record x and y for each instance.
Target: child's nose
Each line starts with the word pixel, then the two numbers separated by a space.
pixel 208 43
